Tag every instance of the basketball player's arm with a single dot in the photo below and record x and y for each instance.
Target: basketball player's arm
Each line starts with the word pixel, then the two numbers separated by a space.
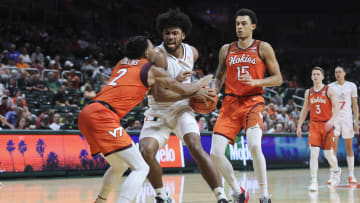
pixel 275 78
pixel 161 77
pixel 355 108
pixel 158 58
pixel 221 69
pixel 335 108
pixel 303 114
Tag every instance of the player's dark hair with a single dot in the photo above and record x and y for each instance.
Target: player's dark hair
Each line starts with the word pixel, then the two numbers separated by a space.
pixel 247 12
pixel 174 18
pixel 136 46
pixel 341 68
pixel 320 69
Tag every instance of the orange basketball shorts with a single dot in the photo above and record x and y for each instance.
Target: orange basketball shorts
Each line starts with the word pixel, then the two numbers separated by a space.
pixel 237 113
pixel 319 137
pixel 102 130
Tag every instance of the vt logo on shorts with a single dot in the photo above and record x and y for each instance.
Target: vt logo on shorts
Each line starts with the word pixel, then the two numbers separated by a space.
pixel 115 131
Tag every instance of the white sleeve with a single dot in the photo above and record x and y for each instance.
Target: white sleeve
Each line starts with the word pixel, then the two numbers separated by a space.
pixel 354 90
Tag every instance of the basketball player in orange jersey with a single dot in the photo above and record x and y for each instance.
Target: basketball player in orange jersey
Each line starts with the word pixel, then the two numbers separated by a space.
pixel 323 104
pixel 99 121
pixel 243 63
pixel 168 115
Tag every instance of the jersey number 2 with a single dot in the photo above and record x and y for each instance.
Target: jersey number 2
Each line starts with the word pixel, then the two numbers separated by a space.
pixel 121 73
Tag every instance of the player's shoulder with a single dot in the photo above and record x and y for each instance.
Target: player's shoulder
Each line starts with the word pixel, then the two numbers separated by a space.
pixel 350 84
pixel 264 45
pixel 332 84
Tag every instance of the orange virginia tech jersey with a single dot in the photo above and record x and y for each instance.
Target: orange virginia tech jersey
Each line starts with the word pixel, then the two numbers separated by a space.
pixel 320 105
pixel 127 86
pixel 243 61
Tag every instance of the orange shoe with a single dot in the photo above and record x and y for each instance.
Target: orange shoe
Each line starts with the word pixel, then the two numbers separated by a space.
pixel 352 180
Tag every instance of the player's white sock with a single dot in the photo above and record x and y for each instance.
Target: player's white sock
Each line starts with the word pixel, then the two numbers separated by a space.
pixel 217 154
pixel 350 162
pixel 253 137
pixel 136 178
pixel 161 192
pixel 329 155
pixel 219 193
pixel 314 162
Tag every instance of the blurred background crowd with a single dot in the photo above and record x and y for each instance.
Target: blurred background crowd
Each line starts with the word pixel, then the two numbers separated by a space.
pixel 56 55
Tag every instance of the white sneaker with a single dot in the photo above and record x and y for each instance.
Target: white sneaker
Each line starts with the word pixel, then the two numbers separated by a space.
pixel 352 180
pixel 336 178
pixel 313 186
pixel 331 176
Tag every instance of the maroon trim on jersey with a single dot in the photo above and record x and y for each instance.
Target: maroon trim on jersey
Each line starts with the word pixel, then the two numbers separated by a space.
pixel 144 73
pixel 327 88
pixel 252 44
pixel 252 108
pixel 315 92
pixel 227 54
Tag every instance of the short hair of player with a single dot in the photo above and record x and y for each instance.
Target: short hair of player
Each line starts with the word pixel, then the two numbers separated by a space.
pixel 340 67
pixel 318 68
pixel 136 46
pixel 247 12
pixel 174 18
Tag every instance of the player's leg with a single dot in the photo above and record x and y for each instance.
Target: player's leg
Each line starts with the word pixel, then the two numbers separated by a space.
pixel 314 166
pixel 136 178
pixel 327 145
pixel 337 131
pixel 187 126
pixel 111 176
pixel 154 134
pixel 254 124
pixel 348 135
pixel 217 154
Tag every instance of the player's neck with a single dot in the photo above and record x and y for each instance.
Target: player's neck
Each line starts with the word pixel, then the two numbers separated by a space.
pixel 179 52
pixel 245 43
pixel 341 82
pixel 318 86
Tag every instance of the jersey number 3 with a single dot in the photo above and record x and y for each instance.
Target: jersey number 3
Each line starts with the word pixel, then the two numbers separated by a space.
pixel 121 73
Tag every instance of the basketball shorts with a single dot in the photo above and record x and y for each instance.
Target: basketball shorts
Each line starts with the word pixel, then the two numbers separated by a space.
pixel 319 137
pixel 102 130
pixel 237 113
pixel 345 128
pixel 159 128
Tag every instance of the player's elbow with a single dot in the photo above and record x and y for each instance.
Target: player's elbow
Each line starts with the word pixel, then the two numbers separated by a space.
pixel 279 80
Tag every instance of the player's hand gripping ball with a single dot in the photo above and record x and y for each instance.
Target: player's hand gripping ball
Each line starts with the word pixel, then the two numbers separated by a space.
pixel 199 105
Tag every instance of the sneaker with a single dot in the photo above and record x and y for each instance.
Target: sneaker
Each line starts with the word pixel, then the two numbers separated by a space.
pixel 331 176
pixel 243 197
pixel 264 199
pixel 169 199
pixel 313 186
pixel 352 180
pixel 336 178
pixel 222 201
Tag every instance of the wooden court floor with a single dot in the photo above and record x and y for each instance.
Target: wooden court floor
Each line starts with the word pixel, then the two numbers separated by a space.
pixel 285 186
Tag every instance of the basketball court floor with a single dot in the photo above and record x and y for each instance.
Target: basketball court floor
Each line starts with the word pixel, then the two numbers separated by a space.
pixel 285 186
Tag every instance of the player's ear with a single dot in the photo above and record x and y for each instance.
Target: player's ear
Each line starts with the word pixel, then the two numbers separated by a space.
pixel 253 26
pixel 183 35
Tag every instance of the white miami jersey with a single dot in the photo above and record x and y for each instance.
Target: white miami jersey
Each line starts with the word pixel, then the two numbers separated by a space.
pixel 344 94
pixel 175 66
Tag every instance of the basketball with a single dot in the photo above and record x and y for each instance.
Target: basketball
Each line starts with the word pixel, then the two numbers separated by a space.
pixel 200 107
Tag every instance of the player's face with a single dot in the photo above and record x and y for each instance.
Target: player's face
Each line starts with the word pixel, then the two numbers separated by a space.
pixel 317 76
pixel 172 37
pixel 244 27
pixel 339 74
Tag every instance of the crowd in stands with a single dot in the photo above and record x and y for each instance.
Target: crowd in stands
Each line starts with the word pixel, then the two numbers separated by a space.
pixel 48 74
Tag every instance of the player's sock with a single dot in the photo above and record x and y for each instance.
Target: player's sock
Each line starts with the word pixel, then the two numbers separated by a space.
pixel 217 154
pixel 350 162
pixel 314 162
pixel 219 193
pixel 161 192
pixel 329 155
pixel 253 136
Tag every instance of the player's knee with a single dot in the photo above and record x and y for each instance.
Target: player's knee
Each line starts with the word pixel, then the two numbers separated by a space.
pixel 148 152
pixel 328 153
pixel 255 150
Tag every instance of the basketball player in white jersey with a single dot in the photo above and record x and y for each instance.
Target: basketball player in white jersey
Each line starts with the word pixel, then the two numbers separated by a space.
pixel 345 125
pixel 166 116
